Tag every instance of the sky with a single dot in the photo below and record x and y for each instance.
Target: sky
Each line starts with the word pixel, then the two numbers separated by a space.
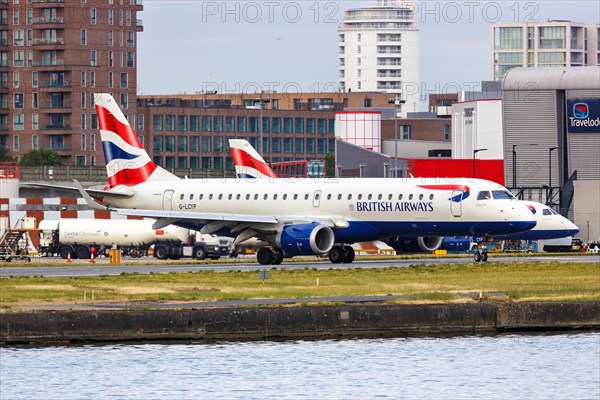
pixel 243 46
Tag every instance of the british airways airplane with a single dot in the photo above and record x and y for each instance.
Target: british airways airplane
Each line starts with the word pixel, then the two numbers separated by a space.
pixel 303 216
pixel 549 224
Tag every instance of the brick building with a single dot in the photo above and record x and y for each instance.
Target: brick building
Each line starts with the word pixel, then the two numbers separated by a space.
pixel 54 54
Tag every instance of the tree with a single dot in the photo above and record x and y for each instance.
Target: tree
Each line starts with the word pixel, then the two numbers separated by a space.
pixel 4 155
pixel 330 165
pixel 41 157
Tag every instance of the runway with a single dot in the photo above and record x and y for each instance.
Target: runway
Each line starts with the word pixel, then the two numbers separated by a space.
pixel 151 265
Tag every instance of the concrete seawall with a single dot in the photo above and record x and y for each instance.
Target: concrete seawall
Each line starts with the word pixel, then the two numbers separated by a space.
pixel 352 320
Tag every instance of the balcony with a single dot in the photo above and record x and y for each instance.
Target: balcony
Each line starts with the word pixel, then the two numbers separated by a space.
pixel 55 84
pixel 55 105
pixel 49 41
pixel 48 20
pixel 57 127
pixel 48 63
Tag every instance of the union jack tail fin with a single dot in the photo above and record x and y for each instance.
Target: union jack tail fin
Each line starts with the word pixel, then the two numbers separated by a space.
pixel 248 163
pixel 127 163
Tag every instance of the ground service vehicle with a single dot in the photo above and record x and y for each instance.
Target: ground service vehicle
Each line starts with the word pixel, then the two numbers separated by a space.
pixel 563 244
pixel 75 237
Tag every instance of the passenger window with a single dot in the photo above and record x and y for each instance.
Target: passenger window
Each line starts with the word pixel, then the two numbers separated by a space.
pixel 285 196
pixel 329 196
pixel 349 197
pixel 360 196
pixel 238 196
pixel 230 196
pixel 201 196
pixel 266 196
pixel 370 196
pixel 256 197
pixel 390 196
pixel 317 196
pixel 220 197
pixel 274 197
pixel 379 197
pixel 181 197
pixel 484 195
pixel 210 196
pixel 431 197
pixel 420 197
pixel 410 196
pixel 400 197
pixel 247 197
pixel 191 197
pixel 295 196
pixel 339 196
pixel 306 197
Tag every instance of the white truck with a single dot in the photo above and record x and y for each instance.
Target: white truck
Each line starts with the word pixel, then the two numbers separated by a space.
pixel 75 237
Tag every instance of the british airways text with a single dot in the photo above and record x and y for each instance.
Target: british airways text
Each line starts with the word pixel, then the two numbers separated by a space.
pixel 389 206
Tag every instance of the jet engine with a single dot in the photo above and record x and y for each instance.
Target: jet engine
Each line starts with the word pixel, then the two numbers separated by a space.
pixel 305 239
pixel 419 244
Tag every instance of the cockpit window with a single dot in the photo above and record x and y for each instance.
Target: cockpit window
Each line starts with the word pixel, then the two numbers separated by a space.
pixel 502 195
pixel 547 211
pixel 484 195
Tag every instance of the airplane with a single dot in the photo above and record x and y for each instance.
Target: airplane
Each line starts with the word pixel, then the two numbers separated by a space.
pixel 298 217
pixel 549 223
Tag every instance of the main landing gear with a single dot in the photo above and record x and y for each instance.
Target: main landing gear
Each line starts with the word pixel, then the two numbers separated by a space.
pixel 341 254
pixel 267 255
pixel 480 256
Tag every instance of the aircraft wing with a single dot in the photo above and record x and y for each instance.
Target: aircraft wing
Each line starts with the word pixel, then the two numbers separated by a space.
pixel 198 216
pixel 95 193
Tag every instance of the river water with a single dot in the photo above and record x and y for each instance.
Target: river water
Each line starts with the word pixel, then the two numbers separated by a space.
pixel 557 366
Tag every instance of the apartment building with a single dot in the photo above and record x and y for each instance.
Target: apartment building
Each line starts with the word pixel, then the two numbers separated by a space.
pixel 379 50
pixel 54 54
pixel 543 44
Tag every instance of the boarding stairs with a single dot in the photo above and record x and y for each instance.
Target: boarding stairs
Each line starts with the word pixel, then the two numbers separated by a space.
pixel 15 244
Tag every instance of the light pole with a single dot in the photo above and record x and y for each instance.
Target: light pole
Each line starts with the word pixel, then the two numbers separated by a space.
pixel 261 103
pixel 514 156
pixel 475 151
pixel 396 102
pixel 549 195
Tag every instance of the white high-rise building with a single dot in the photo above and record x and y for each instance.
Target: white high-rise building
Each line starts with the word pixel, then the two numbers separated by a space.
pixel 379 51
pixel 543 44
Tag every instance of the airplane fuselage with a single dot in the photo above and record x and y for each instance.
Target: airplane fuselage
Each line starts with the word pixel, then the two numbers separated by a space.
pixel 373 208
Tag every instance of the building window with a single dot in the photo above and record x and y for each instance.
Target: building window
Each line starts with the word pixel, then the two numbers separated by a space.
pixel 18 122
pixel 181 143
pixel 288 125
pixel 287 146
pixel 18 100
pixel 405 132
pixel 182 123
pixel 18 58
pixel 83 146
pixel 83 37
pixel 16 144
pixel 194 144
pixel 170 122
pixel 93 58
pixel 18 38
pixel 206 123
pixel 130 61
pixel 206 147
pixel 83 121
pixel 124 100
pixel 299 125
pixel 110 38
pixel 124 80
pixel 170 143
pixel 241 122
pixel 276 125
pixel 229 124
pixel 266 124
pixel 194 123
pixel 218 123
pixel 158 143
pixel 310 125
pixel 253 121
pixel 218 143
pixel 93 142
pixel 299 145
pixel 276 145
pixel 446 132
pixel 93 16
pixel 157 122
pixel 35 142
pixel 35 121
